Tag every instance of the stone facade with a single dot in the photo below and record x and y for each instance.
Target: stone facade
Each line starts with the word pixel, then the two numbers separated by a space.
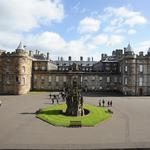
pixel 15 72
pixel 124 72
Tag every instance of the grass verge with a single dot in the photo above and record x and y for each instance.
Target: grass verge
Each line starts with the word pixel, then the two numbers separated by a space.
pixel 53 116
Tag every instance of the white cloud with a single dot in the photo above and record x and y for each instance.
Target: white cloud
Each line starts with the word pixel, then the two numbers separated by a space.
pixel 57 46
pixel 46 41
pixel 131 31
pixel 89 25
pixel 122 18
pixel 107 40
pixel 135 20
pixel 121 12
pixel 9 40
pixel 20 15
pixel 142 46
pixel 145 43
pixel 100 39
pixel 115 40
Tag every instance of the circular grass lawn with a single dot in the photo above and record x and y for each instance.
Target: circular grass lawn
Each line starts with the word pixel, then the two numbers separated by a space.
pixel 53 115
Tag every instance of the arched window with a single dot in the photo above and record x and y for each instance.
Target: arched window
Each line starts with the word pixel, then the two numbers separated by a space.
pixel 23 81
pixel 23 69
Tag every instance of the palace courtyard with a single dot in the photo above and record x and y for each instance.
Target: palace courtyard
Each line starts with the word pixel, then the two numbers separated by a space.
pixel 129 126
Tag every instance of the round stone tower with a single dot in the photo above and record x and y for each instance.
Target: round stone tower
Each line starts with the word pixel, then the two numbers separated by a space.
pixel 23 67
pixel 16 71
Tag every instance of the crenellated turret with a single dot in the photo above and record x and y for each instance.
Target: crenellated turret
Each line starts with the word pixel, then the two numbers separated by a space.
pixel 16 71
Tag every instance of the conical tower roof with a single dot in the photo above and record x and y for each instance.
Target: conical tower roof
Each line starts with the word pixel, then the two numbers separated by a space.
pixel 20 46
pixel 129 48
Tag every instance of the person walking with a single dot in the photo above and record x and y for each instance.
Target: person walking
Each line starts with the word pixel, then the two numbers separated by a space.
pixel 103 102
pixel 108 104
pixel 99 103
pixel 50 96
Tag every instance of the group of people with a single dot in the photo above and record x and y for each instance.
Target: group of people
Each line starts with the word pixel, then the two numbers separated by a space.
pixel 104 103
pixel 57 97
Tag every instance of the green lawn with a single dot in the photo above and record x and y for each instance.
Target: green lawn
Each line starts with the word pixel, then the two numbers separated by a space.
pixel 53 116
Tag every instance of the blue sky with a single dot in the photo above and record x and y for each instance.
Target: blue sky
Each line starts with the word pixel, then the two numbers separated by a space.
pixel 75 27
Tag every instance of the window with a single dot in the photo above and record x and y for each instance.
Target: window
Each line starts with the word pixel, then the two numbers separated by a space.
pixel 85 78
pixel 115 79
pixel 35 77
pixel 42 78
pixel 120 68
pixel 119 79
pixel 17 80
pixel 108 79
pixel 93 77
pixel 23 81
pixel 93 87
pixel 100 78
pixel 8 60
pixel 49 78
pixel 43 68
pixel 100 87
pixel 125 80
pixel 64 79
pixel 140 81
pixel 23 69
pixel 126 68
pixel 107 68
pixel 141 68
pixel 35 68
pixel 57 78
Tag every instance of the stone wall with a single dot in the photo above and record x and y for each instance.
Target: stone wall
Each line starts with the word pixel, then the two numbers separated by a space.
pixel 15 73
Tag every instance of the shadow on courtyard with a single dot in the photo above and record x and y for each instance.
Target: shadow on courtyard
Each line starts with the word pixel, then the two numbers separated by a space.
pixel 48 112
pixel 28 113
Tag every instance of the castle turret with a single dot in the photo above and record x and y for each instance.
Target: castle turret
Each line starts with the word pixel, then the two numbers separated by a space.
pixel 16 72
pixel 128 50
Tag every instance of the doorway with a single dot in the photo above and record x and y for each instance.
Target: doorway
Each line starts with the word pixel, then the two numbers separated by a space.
pixel 140 92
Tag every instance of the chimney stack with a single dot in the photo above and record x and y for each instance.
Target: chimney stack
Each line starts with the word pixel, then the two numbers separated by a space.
pixel 81 58
pixel 69 58
pixel 88 59
pixel 61 58
pixel 36 52
pixel 141 53
pixel 30 53
pixel 47 55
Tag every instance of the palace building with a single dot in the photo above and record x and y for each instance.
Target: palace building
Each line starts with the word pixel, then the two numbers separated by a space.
pixel 123 71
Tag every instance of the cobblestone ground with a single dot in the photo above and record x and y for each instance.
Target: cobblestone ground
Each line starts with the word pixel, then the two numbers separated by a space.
pixel 20 129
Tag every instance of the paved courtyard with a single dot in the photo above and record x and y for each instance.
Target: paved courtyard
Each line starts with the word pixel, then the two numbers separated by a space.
pixel 20 129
